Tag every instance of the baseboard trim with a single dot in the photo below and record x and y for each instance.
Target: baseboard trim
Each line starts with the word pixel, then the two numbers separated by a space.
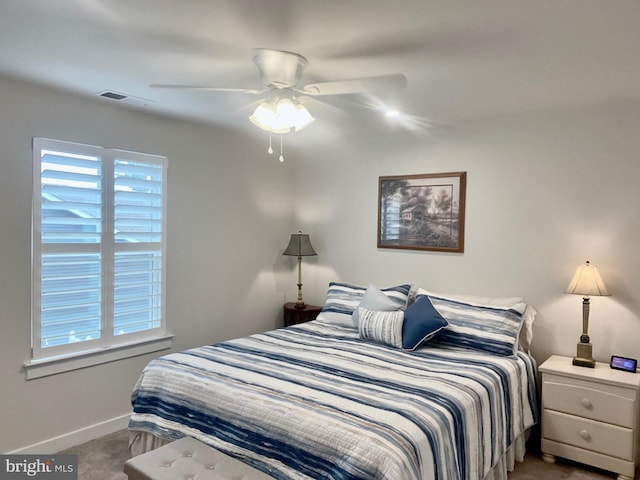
pixel 71 439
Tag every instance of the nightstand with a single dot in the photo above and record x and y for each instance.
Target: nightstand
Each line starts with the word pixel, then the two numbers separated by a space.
pixel 293 315
pixel 590 415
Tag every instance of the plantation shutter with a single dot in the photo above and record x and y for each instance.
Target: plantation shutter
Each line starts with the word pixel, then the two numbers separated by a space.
pixel 138 233
pixel 98 247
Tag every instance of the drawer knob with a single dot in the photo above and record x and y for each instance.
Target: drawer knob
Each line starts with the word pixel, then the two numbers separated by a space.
pixel 585 435
pixel 586 403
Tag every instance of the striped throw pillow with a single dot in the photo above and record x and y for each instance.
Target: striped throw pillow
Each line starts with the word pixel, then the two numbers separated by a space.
pixel 381 327
pixel 491 329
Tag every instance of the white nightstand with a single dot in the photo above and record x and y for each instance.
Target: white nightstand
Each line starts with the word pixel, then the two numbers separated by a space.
pixel 590 415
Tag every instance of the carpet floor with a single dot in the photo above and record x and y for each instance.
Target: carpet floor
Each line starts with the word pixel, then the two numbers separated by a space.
pixel 103 458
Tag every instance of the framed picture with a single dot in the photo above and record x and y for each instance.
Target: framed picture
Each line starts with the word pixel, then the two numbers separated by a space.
pixel 422 212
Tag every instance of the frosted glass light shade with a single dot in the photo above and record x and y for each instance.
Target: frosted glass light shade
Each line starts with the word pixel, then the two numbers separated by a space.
pixel 303 118
pixel 281 115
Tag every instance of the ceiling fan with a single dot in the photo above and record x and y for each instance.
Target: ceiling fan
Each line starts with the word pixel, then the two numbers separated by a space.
pixel 281 72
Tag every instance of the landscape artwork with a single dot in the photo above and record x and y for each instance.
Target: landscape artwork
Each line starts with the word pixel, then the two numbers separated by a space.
pixel 422 212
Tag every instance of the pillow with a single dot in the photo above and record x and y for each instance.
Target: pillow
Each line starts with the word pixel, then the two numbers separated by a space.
pixel 421 322
pixel 381 327
pixel 342 299
pixel 475 299
pixel 491 328
pixel 529 316
pixel 526 332
pixel 374 299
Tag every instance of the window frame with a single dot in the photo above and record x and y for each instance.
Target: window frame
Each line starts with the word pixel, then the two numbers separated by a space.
pixel 153 338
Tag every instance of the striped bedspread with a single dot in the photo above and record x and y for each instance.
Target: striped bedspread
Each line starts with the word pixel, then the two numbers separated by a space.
pixel 314 401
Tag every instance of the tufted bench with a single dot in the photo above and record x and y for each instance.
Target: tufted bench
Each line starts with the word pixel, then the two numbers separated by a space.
pixel 187 459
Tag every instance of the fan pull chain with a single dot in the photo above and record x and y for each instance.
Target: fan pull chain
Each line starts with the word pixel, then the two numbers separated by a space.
pixel 281 158
pixel 270 149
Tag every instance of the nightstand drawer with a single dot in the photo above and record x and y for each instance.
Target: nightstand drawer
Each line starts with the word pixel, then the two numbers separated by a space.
pixel 606 403
pixel 588 434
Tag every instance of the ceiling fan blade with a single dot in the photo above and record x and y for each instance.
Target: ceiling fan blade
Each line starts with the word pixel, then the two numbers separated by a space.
pixel 392 82
pixel 209 88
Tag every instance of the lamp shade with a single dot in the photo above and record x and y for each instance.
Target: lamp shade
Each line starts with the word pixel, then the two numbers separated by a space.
pixel 281 115
pixel 303 117
pixel 266 117
pixel 299 246
pixel 587 282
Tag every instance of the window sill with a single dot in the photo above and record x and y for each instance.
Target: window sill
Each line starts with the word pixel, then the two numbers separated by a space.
pixel 65 363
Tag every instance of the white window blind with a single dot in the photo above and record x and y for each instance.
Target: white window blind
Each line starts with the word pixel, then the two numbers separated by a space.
pixel 98 247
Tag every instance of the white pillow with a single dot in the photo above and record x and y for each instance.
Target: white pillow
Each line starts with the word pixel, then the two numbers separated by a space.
pixel 374 299
pixel 526 333
pixel 473 299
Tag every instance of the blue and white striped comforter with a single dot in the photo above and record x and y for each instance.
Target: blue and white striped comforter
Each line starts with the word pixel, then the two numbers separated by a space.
pixel 314 401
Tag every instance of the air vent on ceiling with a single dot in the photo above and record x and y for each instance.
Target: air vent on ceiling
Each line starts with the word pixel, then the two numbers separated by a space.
pixel 124 98
pixel 113 95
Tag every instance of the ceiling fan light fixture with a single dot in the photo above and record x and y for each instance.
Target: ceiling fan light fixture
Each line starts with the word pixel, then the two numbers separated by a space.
pixel 265 117
pixel 281 115
pixel 285 112
pixel 303 117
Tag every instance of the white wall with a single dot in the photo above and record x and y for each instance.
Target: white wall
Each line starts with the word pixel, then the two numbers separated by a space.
pixel 229 217
pixel 545 192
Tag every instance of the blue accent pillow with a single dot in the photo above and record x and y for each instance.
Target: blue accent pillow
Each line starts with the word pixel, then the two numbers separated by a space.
pixel 421 322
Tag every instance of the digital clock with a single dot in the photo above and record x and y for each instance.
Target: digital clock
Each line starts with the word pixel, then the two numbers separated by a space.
pixel 623 363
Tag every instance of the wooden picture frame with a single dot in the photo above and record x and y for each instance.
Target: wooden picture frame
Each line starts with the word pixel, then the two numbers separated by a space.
pixel 422 212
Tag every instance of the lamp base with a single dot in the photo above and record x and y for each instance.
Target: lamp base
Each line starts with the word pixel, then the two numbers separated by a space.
pixel 584 356
pixel 300 306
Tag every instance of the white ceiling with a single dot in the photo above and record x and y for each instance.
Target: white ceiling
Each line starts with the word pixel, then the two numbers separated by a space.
pixel 463 59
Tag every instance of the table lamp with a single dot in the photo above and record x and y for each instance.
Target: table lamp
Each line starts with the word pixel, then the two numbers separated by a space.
pixel 299 246
pixel 586 282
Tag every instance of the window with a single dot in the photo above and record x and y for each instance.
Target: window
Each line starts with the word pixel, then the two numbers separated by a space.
pixel 98 248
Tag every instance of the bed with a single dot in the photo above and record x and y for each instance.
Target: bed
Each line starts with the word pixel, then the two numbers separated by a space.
pixel 320 400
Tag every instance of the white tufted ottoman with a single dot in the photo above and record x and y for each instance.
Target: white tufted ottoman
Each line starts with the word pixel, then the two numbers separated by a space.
pixel 188 459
